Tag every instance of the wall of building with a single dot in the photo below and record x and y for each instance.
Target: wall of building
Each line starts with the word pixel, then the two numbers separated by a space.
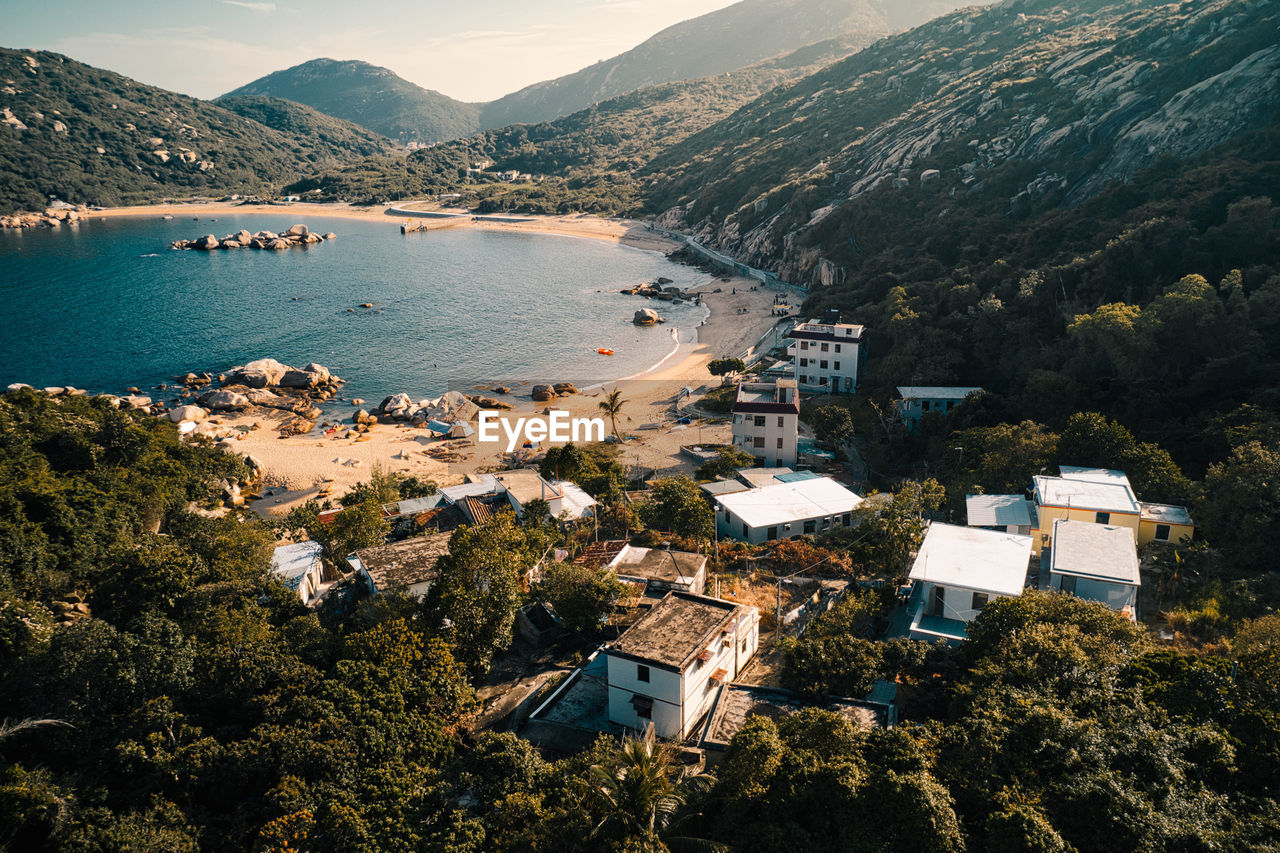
pixel 957 603
pixel 1115 595
pixel 1046 515
pixel 664 687
pixel 729 526
pixel 1179 534
pixel 778 436
pixel 810 373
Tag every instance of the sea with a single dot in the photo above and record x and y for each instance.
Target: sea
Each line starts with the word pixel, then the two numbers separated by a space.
pixel 106 305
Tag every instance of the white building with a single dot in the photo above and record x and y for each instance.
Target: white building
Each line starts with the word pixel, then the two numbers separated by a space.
pixel 514 489
pixel 660 570
pixel 1097 562
pixel 1096 495
pixel 827 356
pixel 766 421
pixel 666 668
pixel 919 400
pixel 1010 513
pixel 958 571
pixel 785 510
pixel 298 567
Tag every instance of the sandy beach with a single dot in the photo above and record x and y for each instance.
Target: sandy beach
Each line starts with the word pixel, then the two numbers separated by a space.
pixel 301 467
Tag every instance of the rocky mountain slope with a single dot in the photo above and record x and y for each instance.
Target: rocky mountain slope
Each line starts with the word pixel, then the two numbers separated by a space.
pixel 1025 105
pixel 372 97
pixel 724 40
pixel 85 135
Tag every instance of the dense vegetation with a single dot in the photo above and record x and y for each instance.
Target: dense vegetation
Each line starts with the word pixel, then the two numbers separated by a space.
pixel 370 96
pixel 89 136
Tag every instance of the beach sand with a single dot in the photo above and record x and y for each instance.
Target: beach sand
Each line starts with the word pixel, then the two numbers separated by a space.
pixel 298 468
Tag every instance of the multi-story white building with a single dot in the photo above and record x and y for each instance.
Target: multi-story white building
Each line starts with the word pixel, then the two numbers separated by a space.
pixel 766 421
pixel 666 668
pixel 827 356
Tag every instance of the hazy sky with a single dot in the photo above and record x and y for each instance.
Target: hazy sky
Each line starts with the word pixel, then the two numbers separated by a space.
pixel 474 51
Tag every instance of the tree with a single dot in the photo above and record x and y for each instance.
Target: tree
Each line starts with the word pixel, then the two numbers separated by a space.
pixel 1241 507
pixel 1000 459
pixel 725 366
pixel 676 505
pixel 832 424
pixel 583 597
pixel 359 525
pixel 1093 440
pixel 727 460
pixel 612 405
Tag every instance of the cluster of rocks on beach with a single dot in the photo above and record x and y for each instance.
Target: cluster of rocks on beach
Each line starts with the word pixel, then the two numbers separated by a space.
pixel 296 235
pixel 54 216
pixel 663 290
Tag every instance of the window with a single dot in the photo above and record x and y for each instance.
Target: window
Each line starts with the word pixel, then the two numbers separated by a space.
pixel 804 362
pixel 643 706
pixel 847 519
pixel 1068 584
pixel 826 347
pixel 1103 518
pixel 1162 532
pixel 822 381
pixel 951 404
pixel 837 348
pixel 781 422
pixel 744 645
pixel 772 533
pixel 804 380
pixel 746 531
pixel 759 420
pixel 835 365
pixel 848 383
pixel 758 441
pixel 924 406
pixel 823 365
pixel 779 442
pixel 810 526
pixel 642 673
pixel 804 345
pixel 980 600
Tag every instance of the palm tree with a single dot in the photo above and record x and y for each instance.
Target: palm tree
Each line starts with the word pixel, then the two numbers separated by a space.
pixel 612 405
pixel 637 796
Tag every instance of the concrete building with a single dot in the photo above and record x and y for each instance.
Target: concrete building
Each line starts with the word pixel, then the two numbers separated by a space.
pixel 1010 513
pixel 1095 495
pixel 1165 523
pixel 666 669
pixel 407 566
pixel 1097 562
pixel 957 572
pixel 661 571
pixel 919 400
pixel 766 421
pixel 298 567
pixel 827 356
pixel 785 510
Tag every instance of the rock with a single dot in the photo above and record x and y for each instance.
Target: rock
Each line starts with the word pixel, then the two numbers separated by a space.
pixel 297 231
pixel 206 242
pixel 356 401
pixel 110 399
pixel 396 404
pixel 645 317
pixel 223 400
pixel 928 176
pixel 17 386
pixel 363 417
pixel 277 244
pixel 330 235
pixel 136 401
pixel 543 393
pixel 263 373
pixel 308 377
pixel 194 414
pixel 366 304
pixel 266 236
pixel 231 243
pixel 244 236
pixel 663 280
pixel 565 388
pixel 55 390
pixel 253 462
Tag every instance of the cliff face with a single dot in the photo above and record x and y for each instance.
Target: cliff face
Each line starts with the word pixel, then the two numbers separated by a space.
pixel 1026 103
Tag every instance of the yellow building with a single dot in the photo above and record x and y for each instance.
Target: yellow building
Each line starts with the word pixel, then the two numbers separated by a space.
pixel 1104 496
pixel 1165 523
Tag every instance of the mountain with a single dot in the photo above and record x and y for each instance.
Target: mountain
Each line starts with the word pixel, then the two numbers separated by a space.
pixel 82 134
pixel 721 41
pixel 371 97
pixel 583 161
pixel 1022 106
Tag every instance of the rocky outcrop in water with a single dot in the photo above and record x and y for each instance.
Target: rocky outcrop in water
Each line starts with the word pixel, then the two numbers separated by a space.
pixel 296 235
pixel 54 216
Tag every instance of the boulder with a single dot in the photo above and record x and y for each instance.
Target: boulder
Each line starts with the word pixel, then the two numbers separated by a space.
pixel 278 243
pixel 223 400
pixel 363 417
pixel 109 399
pixel 313 238
pixel 17 386
pixel 297 231
pixel 231 243
pixel 564 388
pixel 263 373
pixel 396 404
pixel 55 390
pixel 206 242
pixel 244 236
pixel 266 236
pixel 330 235
pixel 194 414
pixel 135 401
pixel 645 317
pixel 543 393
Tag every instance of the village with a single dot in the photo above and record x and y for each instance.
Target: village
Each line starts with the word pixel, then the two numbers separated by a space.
pixel 692 642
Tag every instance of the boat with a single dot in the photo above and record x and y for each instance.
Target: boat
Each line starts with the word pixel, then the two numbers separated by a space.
pixel 604 351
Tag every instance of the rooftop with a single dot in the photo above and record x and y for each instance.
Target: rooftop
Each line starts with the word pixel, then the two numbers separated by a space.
pixel 293 562
pixel 998 510
pixel 763 397
pixel 740 702
pixel 480 484
pixel 402 564
pixel 1166 514
pixel 600 554
pixel 972 558
pixel 1095 475
pixel 526 485
pixel 676 630
pixel 723 487
pixel 657 564
pixel 577 503
pixel 757 477
pixel 782 503
pixel 1090 550
pixel 936 392
pixel 1090 494
pixel 816 330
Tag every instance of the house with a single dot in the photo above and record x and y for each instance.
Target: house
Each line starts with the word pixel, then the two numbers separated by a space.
pixel 298 567
pixel 661 571
pixel 920 400
pixel 407 566
pixel 785 510
pixel 1165 523
pixel 1097 562
pixel 1097 495
pixel 827 355
pixel 1010 513
pixel 957 572
pixel 667 667
pixel 766 421
pixel 488 493
pixel 525 485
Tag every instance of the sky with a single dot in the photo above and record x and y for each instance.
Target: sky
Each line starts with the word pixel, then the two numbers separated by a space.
pixel 473 51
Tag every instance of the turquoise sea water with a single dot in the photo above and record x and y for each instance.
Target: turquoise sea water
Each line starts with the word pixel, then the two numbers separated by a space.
pixel 107 304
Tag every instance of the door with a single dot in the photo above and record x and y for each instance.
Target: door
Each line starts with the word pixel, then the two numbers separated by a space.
pixel 937 604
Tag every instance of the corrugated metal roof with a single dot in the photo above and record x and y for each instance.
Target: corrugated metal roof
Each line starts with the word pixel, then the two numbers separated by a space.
pixel 998 510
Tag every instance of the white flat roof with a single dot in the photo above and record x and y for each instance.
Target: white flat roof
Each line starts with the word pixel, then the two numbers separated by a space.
pixel 1085 494
pixel 971 558
pixel 783 503
pixel 1095 475
pixel 1089 550
pixel 1002 510
pixel 936 392
pixel 484 484
pixel 576 501
pixel 1166 513
pixel 292 562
